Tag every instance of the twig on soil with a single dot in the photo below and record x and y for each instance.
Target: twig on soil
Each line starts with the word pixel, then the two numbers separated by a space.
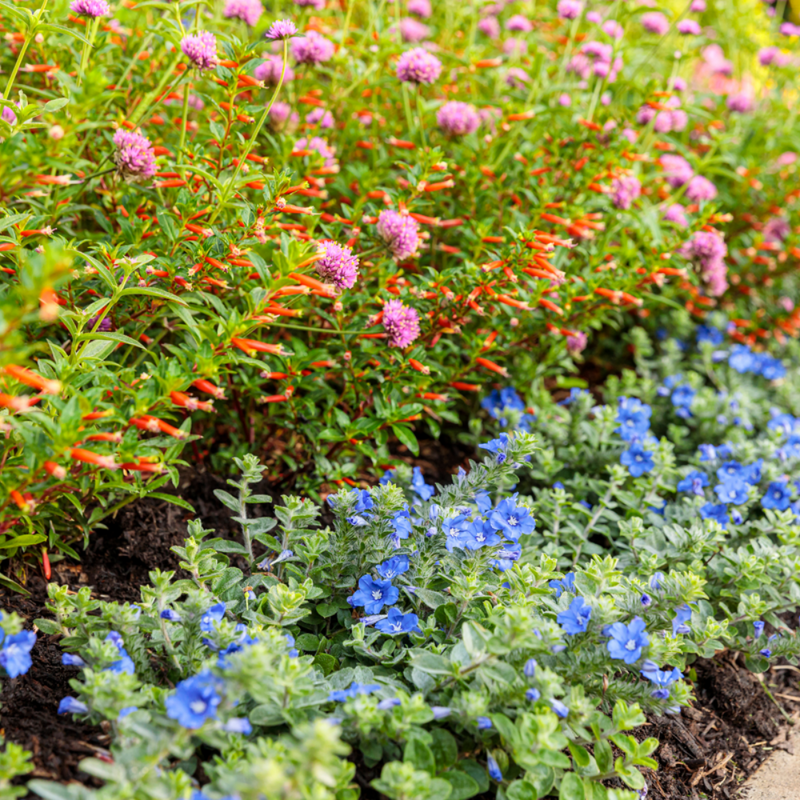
pixel 698 776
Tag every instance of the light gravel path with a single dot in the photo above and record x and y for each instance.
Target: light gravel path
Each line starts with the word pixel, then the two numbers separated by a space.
pixel 778 778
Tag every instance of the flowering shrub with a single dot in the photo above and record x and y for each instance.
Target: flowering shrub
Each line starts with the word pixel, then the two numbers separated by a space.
pixel 483 188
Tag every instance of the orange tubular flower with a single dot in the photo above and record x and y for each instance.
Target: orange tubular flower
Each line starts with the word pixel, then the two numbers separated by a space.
pixel 251 346
pixel 18 403
pixel 190 403
pixel 466 387
pixel 93 415
pixel 312 283
pixel 19 500
pixel 142 466
pixel 550 306
pixel 55 470
pixel 209 388
pixel 29 378
pixel 510 301
pixel 115 437
pixel 442 398
pixel 90 457
pixel 418 367
pixel 274 398
pixel 490 365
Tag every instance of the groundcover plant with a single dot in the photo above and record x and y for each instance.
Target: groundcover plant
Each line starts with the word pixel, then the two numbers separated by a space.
pixel 297 238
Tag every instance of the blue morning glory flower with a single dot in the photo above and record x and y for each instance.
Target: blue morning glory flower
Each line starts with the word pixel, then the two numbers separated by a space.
pixel 373 595
pixel 418 485
pixel 646 600
pixel 574 394
pixel 637 460
pixel 707 452
pixel 576 618
pixel 15 657
pixel 494 769
pixel 245 640
pixel 393 567
pixel 71 705
pixel 627 641
pixel 693 482
pixel 484 723
pixel 782 422
pixel 388 703
pixel 529 670
pixel 682 615
pixel 559 485
pixel 778 496
pixel 124 712
pixel 497 447
pixel 355 689
pixel 479 534
pixel 387 477
pixel 732 490
pixel 195 700
pixel 566 584
pixel 441 712
pixel 633 417
pixel 511 519
pixel 125 663
pixel 752 472
pixel 70 660
pixel 532 694
pixel 456 532
pixel 402 526
pixel 170 615
pixel 717 512
pixel 736 517
pixel 742 359
pixel 660 678
pixel 238 725
pixel 771 368
pixel 655 581
pixel 730 469
pixel 559 708
pixel 683 396
pixel 766 652
pixel 707 333
pixel 397 623
pixel 758 628
pixel 290 642
pixel 212 616
pixel 506 557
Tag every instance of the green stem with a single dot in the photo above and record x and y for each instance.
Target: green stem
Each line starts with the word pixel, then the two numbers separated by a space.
pixel 243 157
pixel 183 121
pixel 147 103
pixel 23 50
pixel 87 46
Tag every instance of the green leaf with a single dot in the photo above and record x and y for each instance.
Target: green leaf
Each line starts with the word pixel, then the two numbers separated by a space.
pixel 406 437
pixel 174 499
pixel 571 788
pixel 26 540
pixel 444 747
pixel 48 626
pixel 61 29
pixel 111 337
pixel 476 772
pixel 55 105
pixel 430 598
pixel 462 786
pixel 420 755
pixel 50 790
pixel 522 790
pixel 151 291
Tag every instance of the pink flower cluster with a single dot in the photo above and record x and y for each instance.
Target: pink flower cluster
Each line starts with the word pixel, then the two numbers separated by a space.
pixel 569 9
pixel 338 265
pixel 458 119
pixel 401 323
pixel 90 8
pixel 677 170
pixel 270 71
pixel 134 157
pixel 313 48
pixel 418 66
pixel 413 31
pixel 655 22
pixel 201 49
pixel 624 190
pixel 670 119
pixel 399 232
pixel 248 11
pixel 596 58
pixel 707 249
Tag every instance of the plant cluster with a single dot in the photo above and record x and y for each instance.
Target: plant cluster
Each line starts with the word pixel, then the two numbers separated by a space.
pixel 313 235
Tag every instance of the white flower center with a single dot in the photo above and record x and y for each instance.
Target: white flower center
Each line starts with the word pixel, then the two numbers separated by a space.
pixel 377 594
pixel 512 521
pixel 198 706
pixel 631 645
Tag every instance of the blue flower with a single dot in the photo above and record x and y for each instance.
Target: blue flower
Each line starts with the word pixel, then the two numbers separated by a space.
pixel 123 712
pixel 457 532
pixel 397 623
pixel 70 660
pixel 125 663
pixel 771 368
pixel 494 769
pixel 758 628
pixel 532 694
pixel 480 534
pixel 742 359
pixel 778 496
pixel 716 512
pixel 660 678
pixel 290 642
pixel 559 708
pixel 559 485
pixel 511 519
pixel 730 469
pixel 506 557
pixel 393 567
pixel 15 657
pixel 71 705
pixel 170 615
pixel 387 477
pixel 683 396
pixel 752 472
pixel 646 600
pixel 766 652
pixel 576 618
pixel 355 689
pixel 682 615
pixel 388 703
pixel 424 490
pixel 637 460
pixel 627 641
pixel 211 617
pixel 529 670
pixel 497 403
pixel 497 446
pixel 441 712
pixel 732 490
pixel 782 422
pixel 707 452
pixel 374 595
pixel 633 417
pixel 655 581
pixel 484 723
pixel 566 584
pixel 693 482
pixel 402 526
pixel 195 700
pixel 244 640
pixel 707 333
pixel 238 725
pixel 574 394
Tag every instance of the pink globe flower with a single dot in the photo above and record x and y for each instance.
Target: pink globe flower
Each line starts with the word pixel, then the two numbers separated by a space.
pixel 689 27
pixel 677 170
pixel 700 189
pixel 248 11
pixel 655 22
pixel 90 8
pixel 707 249
pixel 317 4
pixel 313 48
pixel 321 117
pixel 201 49
pixel 399 232
pixel 418 66
pixel 519 24
pixel 134 156
pixel 458 119
pixel 421 8
pixel 281 29
pixel 489 26
pixel 676 213
pixel 576 344
pixel 338 265
pixel 569 9
pixel 413 31
pixel 270 71
pixel 624 190
pixel 516 78
pixel 401 323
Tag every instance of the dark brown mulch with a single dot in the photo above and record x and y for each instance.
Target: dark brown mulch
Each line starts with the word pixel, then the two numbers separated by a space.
pixel 706 752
